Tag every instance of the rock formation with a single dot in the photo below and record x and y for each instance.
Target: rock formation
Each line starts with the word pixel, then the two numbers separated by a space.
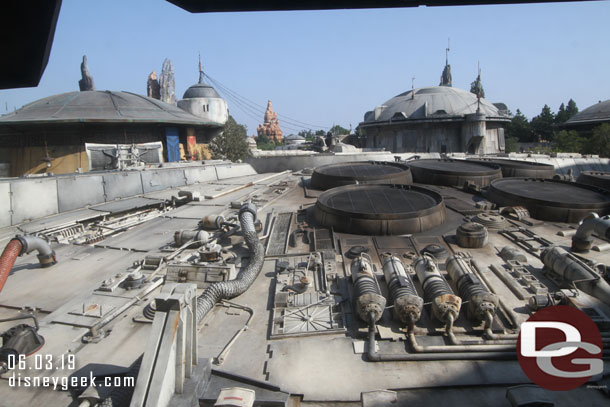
pixel 86 83
pixel 167 84
pixel 153 89
pixel 271 127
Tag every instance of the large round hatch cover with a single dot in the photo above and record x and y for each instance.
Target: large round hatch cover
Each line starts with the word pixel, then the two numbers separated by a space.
pixel 453 173
pixel 360 172
pixel 551 200
pixel 380 209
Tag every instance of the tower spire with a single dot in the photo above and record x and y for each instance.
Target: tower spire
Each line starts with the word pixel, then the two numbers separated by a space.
pixel 200 70
pixel 413 87
pixel 446 76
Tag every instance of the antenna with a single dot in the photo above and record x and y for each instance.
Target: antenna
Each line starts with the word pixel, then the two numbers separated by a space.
pixel 447 52
pixel 413 87
pixel 200 70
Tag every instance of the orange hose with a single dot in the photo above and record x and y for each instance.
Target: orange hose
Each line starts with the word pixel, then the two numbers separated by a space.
pixel 9 255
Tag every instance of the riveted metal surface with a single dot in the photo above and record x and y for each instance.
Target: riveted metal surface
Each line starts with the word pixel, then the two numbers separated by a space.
pixel 380 209
pixel 453 173
pixel 234 170
pixel 368 172
pixel 80 191
pixel 5 204
pixel 162 179
pixel 32 199
pixel 595 178
pixel 551 200
pixel 516 168
pixel 122 184
pixel 128 204
pixel 200 174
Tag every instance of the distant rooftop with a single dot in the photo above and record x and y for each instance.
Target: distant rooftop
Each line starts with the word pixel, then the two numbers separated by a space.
pixel 596 114
pixel 99 106
pixel 434 102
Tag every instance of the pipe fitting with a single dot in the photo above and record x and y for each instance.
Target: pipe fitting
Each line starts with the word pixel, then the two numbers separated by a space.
pixel 46 255
pixel 248 207
pixel 583 239
pixel 183 236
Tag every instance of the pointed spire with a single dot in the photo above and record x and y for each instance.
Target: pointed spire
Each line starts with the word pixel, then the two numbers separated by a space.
pixel 413 87
pixel 446 76
pixel 476 87
pixel 200 70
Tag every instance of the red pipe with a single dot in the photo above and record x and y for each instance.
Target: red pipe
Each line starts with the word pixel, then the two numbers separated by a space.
pixel 9 255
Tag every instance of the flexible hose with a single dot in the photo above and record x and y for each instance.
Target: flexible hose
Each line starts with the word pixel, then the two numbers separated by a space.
pixel 226 290
pixel 7 260
pixel 121 396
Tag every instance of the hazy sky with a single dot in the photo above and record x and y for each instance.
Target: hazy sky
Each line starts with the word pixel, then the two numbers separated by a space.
pixel 330 67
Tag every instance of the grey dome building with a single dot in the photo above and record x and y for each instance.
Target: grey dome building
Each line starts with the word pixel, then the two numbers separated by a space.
pixel 49 135
pixel 436 119
pixel 203 101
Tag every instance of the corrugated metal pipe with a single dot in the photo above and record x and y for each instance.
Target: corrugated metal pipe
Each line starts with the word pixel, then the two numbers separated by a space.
pixel 225 290
pixel 20 245
pixel 121 396
pixel 583 239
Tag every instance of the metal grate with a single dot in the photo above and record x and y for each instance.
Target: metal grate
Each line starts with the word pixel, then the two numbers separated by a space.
pixel 380 201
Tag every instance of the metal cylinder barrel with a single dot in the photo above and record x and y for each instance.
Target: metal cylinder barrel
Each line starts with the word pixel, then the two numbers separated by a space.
pixel 367 295
pixel 407 303
pixel 183 236
pixel 212 222
pixel 471 289
pixel 436 290
pixel 573 272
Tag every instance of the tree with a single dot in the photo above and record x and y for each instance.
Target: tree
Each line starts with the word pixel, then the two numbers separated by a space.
pixel 231 144
pixel 565 113
pixel 600 140
pixel 519 128
pixel 569 141
pixel 337 130
pixel 562 115
pixel 571 109
pixel 542 125
pixel 511 145
pixel 308 135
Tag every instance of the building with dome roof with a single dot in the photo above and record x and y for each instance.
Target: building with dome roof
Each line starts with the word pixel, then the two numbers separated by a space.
pixel 589 118
pixel 203 101
pixel 50 134
pixel 436 119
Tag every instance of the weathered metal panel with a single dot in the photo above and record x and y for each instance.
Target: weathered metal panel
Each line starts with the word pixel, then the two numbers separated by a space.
pixel 5 204
pixel 234 170
pixel 200 174
pixel 128 204
pixel 79 191
pixel 32 199
pixel 162 179
pixel 122 184
pixel 62 219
